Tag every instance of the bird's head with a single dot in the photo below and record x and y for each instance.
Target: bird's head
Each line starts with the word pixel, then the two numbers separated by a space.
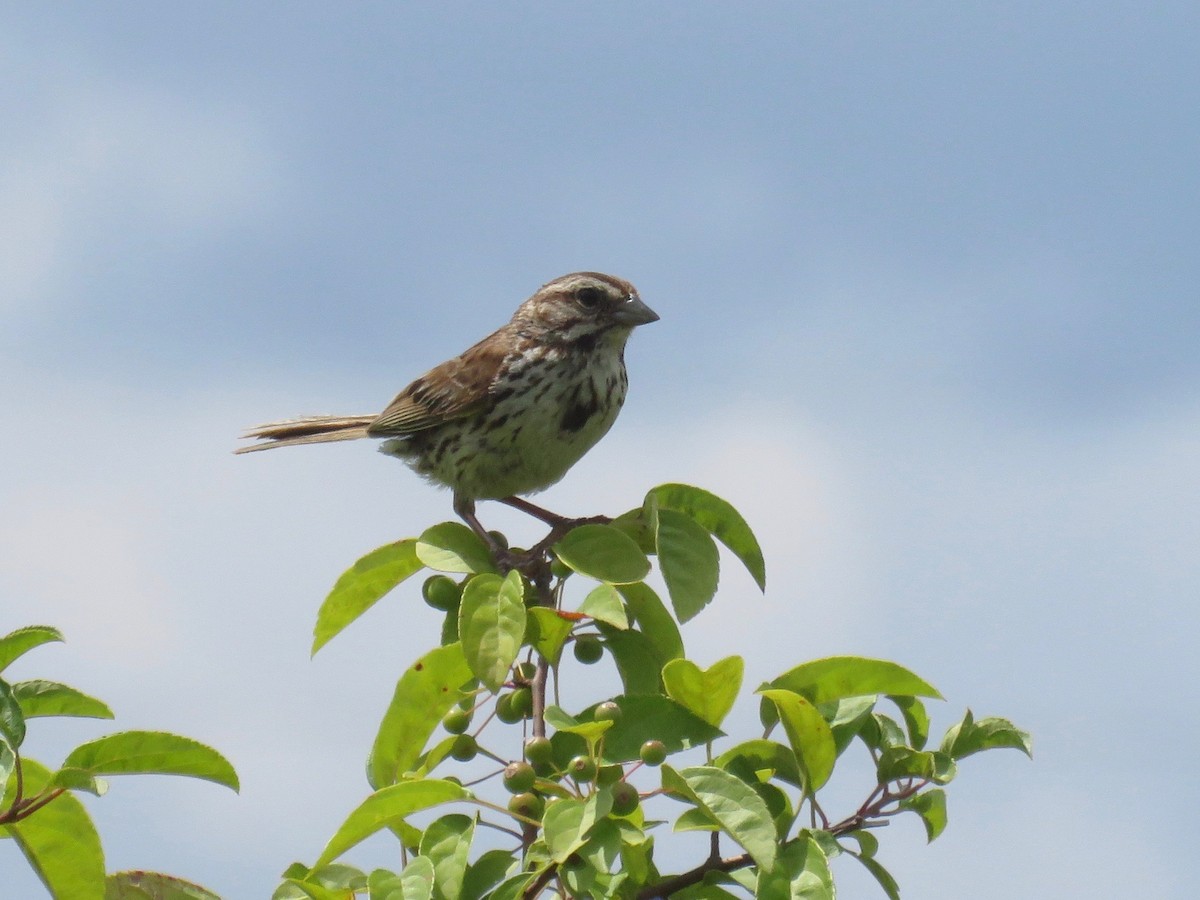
pixel 583 306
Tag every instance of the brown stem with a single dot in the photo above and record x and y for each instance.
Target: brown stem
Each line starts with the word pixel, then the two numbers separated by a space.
pixel 873 812
pixel 543 878
pixel 668 886
pixel 27 808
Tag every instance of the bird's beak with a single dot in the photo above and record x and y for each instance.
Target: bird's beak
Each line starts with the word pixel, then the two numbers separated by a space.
pixel 634 312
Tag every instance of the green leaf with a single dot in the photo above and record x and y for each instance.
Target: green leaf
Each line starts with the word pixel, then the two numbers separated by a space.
pixel 882 875
pixel 491 625
pixel 485 873
pixel 59 840
pixel 417 880
pixel 79 780
pixel 561 721
pixel 881 732
pixel 809 735
pixel 731 803
pixel 447 843
pixel 17 643
pixel 969 736
pixel 719 518
pixel 904 762
pixel 384 885
pixel 604 604
pixel 637 659
pixel 7 763
pixel 434 756
pixel 603 847
pixel 564 824
pixel 49 698
pixel 153 886
pixel 338 877
pixel 582 881
pixel 653 618
pixel 450 627
pixel 513 887
pixel 868 844
pixel 916 719
pixel 637 859
pixel 826 841
pixel 453 547
pixel 424 694
pixel 709 891
pixel 764 756
pixel 709 693
pixel 305 890
pixel 547 632
pixel 362 585
pixel 847 717
pixel 778 802
pixel 835 677
pixel 12 719
pixel 647 717
pixel 386 807
pixel 151 753
pixel 802 873
pixel 930 805
pixel 688 560
pixel 604 553
pixel 636 524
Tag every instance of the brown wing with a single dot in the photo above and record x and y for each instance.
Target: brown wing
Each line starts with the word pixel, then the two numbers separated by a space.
pixel 458 387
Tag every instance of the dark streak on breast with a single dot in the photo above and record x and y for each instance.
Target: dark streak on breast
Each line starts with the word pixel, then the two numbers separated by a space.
pixel 578 414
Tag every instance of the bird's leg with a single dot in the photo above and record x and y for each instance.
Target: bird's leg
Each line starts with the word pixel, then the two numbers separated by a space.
pixel 532 509
pixel 554 520
pixel 528 562
pixel 531 561
pixel 465 508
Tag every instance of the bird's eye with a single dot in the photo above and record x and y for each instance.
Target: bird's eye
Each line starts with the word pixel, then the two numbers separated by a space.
pixel 589 297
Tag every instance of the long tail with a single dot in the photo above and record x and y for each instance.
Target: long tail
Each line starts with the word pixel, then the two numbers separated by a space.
pixel 309 430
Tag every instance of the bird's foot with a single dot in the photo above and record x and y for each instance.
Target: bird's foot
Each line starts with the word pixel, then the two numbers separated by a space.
pixel 533 563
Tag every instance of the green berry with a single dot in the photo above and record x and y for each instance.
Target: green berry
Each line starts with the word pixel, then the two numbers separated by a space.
pixel 539 751
pixel 505 711
pixel 518 777
pixel 559 569
pixel 441 592
pixel 607 712
pixel 653 753
pixel 524 672
pixel 527 804
pixel 588 649
pixel 465 748
pixel 499 537
pixel 582 768
pixel 625 798
pixel 521 701
pixel 456 721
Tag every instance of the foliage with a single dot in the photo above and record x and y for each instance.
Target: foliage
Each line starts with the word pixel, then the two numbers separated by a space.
pixel 39 809
pixel 570 791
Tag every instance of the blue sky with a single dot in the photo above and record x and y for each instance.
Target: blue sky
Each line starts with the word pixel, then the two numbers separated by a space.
pixel 928 285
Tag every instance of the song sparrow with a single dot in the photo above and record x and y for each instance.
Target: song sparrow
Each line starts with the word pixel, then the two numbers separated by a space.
pixel 512 414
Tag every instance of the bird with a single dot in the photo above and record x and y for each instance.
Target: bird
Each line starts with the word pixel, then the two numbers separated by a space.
pixel 512 414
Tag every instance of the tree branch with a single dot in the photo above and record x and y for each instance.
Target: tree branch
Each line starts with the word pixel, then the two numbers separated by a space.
pixel 668 886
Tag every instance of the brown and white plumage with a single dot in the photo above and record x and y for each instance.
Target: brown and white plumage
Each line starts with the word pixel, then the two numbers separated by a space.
pixel 513 413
